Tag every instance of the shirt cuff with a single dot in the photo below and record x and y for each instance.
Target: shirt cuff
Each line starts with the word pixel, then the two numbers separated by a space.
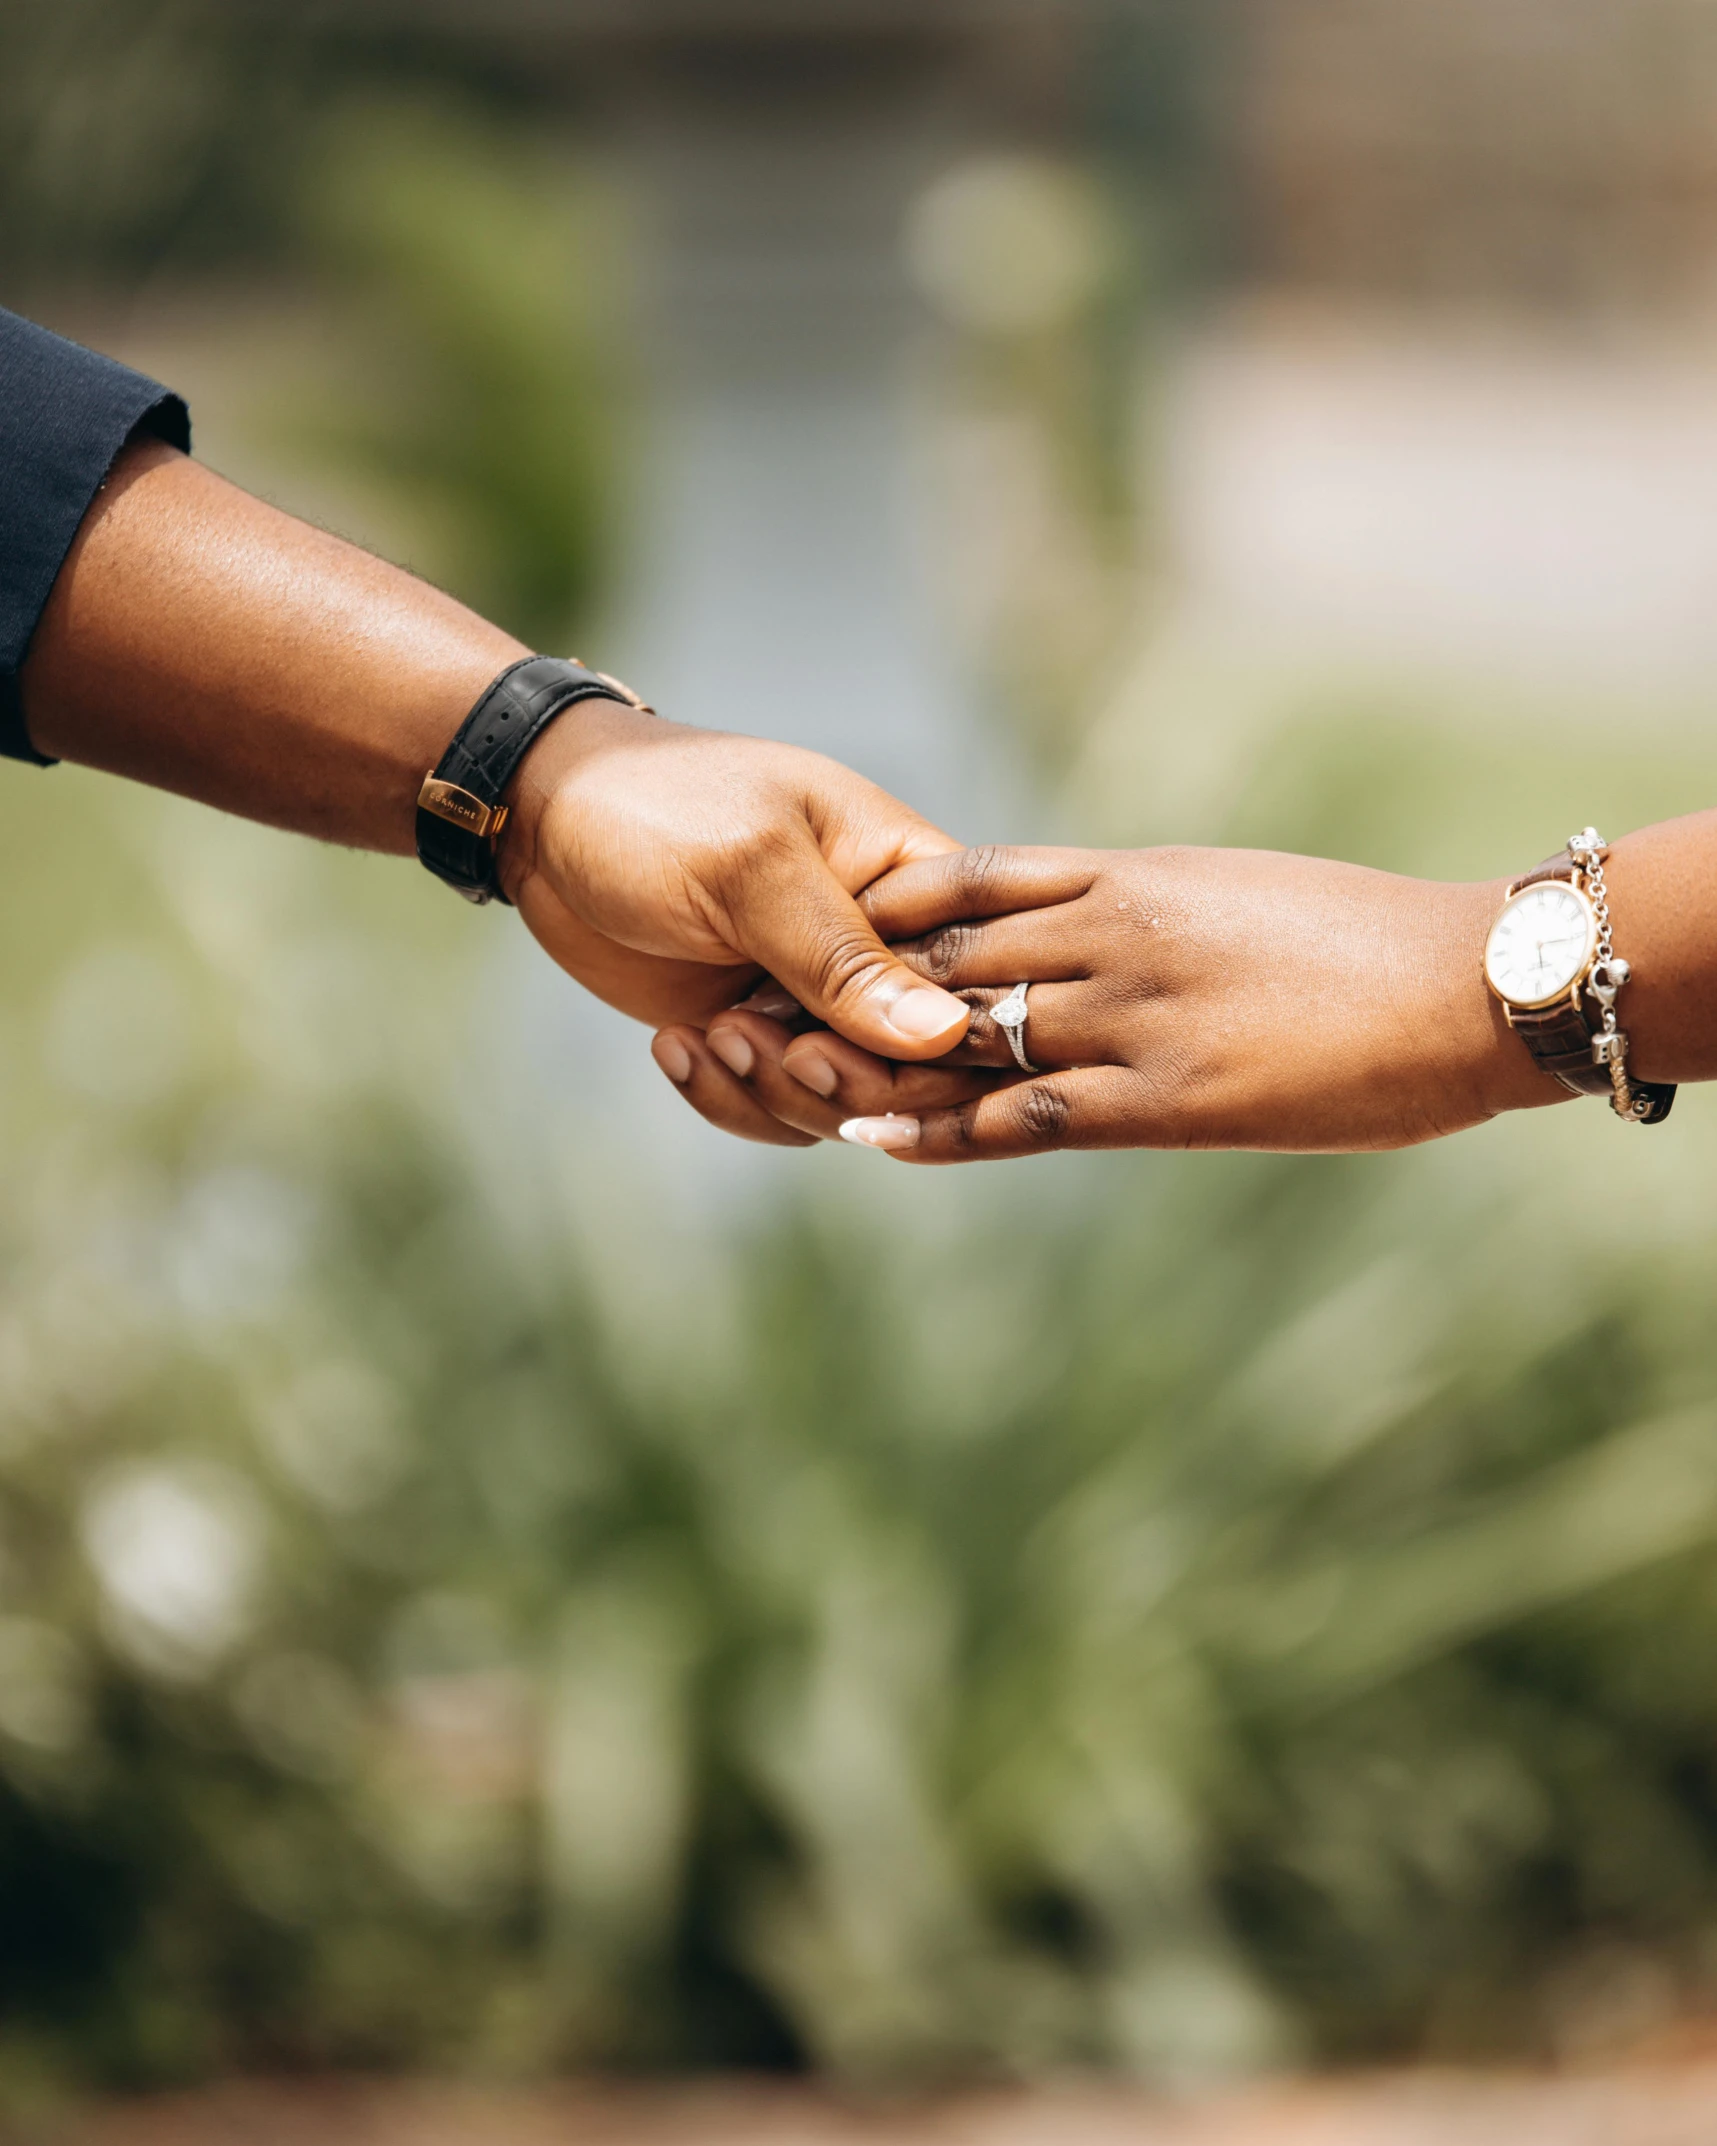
pixel 65 413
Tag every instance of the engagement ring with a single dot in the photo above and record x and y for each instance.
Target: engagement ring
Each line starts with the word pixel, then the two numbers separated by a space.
pixel 1010 1017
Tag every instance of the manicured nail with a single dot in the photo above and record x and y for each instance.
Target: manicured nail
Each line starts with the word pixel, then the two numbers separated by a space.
pixel 926 1012
pixel 894 1133
pixel 673 1058
pixel 813 1070
pixel 770 999
pixel 733 1051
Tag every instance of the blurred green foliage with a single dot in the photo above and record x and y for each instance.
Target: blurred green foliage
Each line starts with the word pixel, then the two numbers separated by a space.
pixel 474 274
pixel 1256 1607
pixel 478 278
pixel 137 133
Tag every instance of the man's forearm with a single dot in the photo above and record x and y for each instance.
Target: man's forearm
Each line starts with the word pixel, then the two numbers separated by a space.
pixel 203 641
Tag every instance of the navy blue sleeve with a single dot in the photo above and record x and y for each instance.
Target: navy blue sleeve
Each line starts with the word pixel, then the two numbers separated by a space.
pixel 64 414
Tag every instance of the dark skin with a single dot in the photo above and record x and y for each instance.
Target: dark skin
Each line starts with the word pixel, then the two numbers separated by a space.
pixel 1219 998
pixel 203 641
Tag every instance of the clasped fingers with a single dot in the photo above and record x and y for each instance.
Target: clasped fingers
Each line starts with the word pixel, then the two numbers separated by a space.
pixel 1091 1107
pixel 749 1075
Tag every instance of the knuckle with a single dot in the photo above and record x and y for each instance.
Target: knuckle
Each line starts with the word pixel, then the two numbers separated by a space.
pixel 844 966
pixel 1044 1114
pixel 944 953
pixel 980 873
pixel 982 1035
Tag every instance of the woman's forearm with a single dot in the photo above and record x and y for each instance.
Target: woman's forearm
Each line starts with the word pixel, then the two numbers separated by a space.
pixel 203 641
pixel 1226 998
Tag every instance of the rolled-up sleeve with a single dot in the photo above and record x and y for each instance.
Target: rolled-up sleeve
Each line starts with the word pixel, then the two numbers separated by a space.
pixel 65 412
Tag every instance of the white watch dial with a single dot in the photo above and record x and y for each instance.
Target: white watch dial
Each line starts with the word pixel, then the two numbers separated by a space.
pixel 1543 941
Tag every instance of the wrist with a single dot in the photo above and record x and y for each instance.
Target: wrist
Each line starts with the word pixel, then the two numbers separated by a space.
pixel 422 714
pixel 1496 1069
pixel 1552 961
pixel 545 781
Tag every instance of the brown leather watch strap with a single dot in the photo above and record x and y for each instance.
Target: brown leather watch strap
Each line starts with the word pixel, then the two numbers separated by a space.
pixel 1561 866
pixel 1560 1038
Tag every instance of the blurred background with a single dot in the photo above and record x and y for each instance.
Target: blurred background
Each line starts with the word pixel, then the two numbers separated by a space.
pixel 508 1598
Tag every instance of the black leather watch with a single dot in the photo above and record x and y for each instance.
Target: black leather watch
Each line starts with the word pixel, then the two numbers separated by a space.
pixel 459 808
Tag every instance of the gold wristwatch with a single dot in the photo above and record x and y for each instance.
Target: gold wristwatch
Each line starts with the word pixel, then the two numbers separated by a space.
pixel 1550 952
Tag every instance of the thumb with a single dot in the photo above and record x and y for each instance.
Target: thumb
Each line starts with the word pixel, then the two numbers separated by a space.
pixel 793 917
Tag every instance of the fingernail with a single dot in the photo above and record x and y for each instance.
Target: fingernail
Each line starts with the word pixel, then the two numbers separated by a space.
pixel 673 1058
pixel 813 1070
pixel 892 1133
pixel 733 1051
pixel 770 999
pixel 924 1013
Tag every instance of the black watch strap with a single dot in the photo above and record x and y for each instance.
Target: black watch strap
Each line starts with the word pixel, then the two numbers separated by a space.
pixel 459 809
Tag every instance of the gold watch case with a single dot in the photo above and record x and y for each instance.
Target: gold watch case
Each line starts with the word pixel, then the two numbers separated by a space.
pixel 1569 987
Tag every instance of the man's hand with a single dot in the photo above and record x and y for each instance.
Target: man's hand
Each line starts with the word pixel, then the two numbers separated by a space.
pixel 201 640
pixel 668 869
pixel 1180 998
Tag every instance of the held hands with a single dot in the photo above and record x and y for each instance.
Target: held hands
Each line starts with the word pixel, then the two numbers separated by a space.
pixel 667 868
pixel 1180 998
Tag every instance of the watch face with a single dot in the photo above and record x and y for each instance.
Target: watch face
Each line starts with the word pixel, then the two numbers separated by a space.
pixel 1541 944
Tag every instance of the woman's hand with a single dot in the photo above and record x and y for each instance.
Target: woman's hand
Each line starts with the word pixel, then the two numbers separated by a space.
pixel 736 1075
pixel 1180 998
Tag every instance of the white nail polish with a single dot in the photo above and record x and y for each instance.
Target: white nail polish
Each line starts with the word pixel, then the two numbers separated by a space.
pixel 891 1133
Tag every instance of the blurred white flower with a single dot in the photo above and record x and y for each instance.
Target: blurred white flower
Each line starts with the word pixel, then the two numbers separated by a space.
pixel 177 1548
pixel 1009 245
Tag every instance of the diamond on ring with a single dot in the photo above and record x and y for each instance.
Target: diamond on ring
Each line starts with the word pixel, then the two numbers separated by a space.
pixel 1010 1017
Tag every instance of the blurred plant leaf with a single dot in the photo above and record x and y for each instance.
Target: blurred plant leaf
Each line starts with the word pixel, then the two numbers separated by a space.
pixel 478 275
